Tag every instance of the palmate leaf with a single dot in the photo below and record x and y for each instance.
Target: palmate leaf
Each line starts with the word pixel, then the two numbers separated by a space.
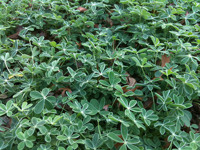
pixel 124 132
pixel 3 145
pixel 105 83
pixel 45 92
pixel 95 143
pixel 39 107
pixel 115 138
pixel 123 147
pixel 113 79
pixel 36 95
pixel 48 104
pixel 21 145
pixel 133 147
pixel 61 138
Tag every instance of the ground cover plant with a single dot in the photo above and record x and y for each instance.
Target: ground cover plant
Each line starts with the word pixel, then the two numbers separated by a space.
pixel 99 74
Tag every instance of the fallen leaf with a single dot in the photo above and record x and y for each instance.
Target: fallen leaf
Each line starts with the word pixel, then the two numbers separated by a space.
pixel 147 104
pixel 106 107
pixel 117 103
pixel 140 98
pixel 131 82
pixel 3 96
pixel 126 90
pixel 81 9
pixel 79 64
pixel 64 90
pixel 78 44
pixel 167 144
pixel 30 5
pixel 165 60
pixel 6 122
pixel 96 26
pixel 109 21
pixel 16 35
pixel 186 129
pixel 43 33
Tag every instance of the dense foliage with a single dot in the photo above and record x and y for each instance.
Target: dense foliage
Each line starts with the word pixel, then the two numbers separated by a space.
pixel 99 74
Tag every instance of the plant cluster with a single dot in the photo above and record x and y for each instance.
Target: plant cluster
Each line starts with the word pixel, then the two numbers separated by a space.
pixel 99 74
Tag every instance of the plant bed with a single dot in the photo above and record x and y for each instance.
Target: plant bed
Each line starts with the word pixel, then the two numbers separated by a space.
pixel 104 74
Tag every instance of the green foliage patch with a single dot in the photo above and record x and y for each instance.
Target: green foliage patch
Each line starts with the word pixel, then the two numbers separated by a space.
pixel 99 74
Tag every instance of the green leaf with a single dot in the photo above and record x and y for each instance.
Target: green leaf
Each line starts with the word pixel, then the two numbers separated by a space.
pixel 123 147
pixel 129 93
pixel 134 140
pixel 61 137
pixel 42 129
pixel 21 146
pixel 124 132
pixel 132 103
pixel 71 71
pixel 53 43
pixel 25 105
pixel 48 104
pixel 45 92
pixel 123 101
pixel 137 61
pixel 88 143
pixel 132 147
pixel 115 138
pixel 47 138
pixel 39 107
pixel 90 23
pixel 30 131
pixel 61 148
pixel 186 118
pixel 20 135
pixel 119 88
pixel 36 95
pixel 29 144
pixel 138 93
pixel 111 78
pixel 2 107
pixel 105 83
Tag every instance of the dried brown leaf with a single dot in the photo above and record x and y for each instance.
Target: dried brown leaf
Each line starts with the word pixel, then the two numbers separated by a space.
pixel 148 104
pixel 14 36
pixel 130 80
pixel 165 60
pixel 3 96
pixel 64 90
pixel 81 9
pixel 109 21
pixel 106 107
pixel 78 44
pixel 96 26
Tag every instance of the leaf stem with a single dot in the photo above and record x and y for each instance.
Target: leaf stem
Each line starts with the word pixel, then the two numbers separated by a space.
pixel 143 72
pixel 154 106
pixel 99 130
pixel 7 67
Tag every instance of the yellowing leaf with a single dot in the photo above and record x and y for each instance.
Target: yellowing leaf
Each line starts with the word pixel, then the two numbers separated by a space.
pixel 16 75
